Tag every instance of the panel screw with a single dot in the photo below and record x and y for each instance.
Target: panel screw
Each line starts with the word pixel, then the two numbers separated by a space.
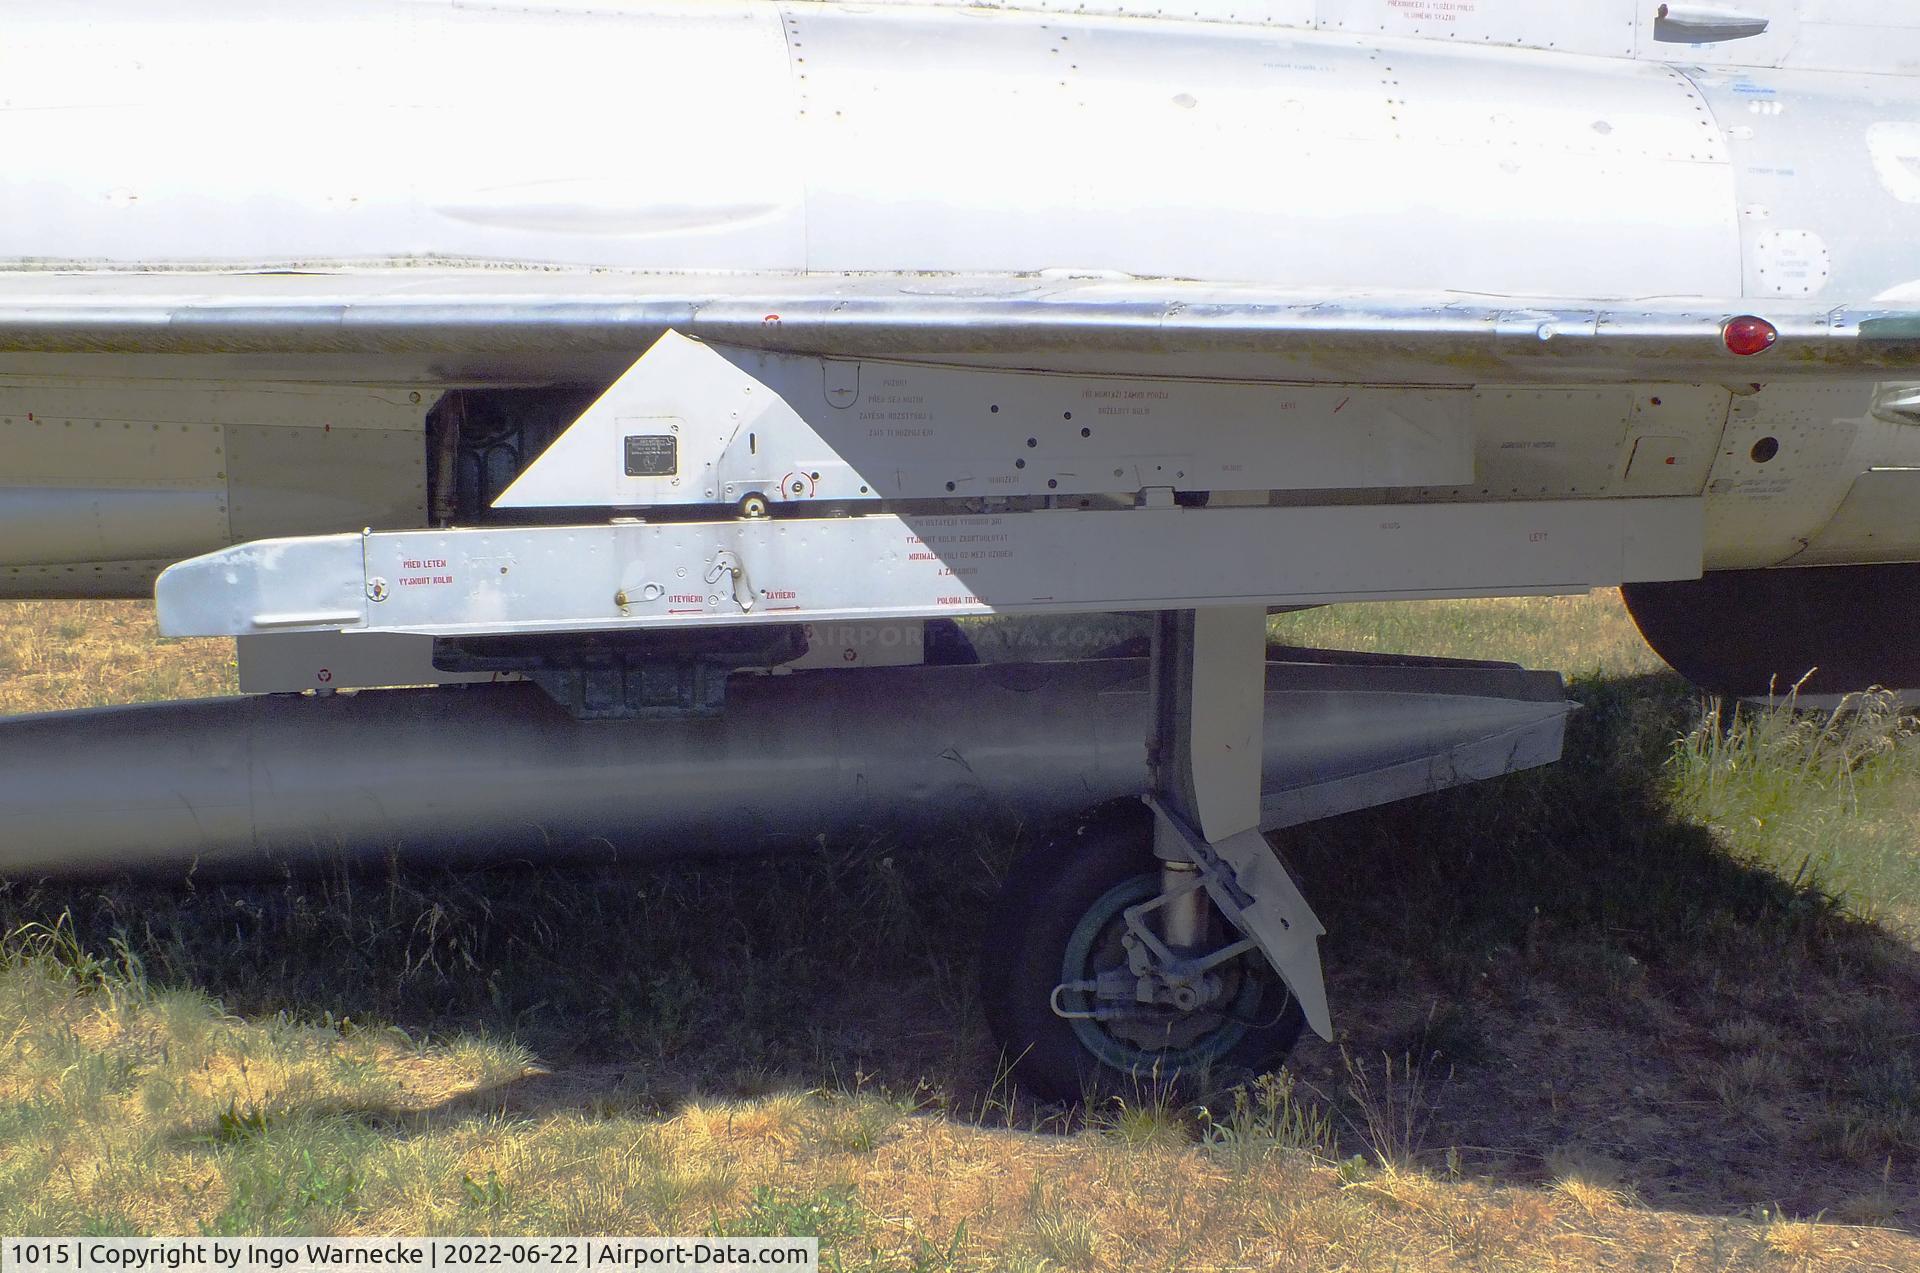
pixel 376 589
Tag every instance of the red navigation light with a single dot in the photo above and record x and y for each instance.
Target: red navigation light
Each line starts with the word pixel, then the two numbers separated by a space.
pixel 1748 335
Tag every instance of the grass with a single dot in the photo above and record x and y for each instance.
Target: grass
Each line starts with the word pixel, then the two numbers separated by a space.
pixel 1655 1007
pixel 56 655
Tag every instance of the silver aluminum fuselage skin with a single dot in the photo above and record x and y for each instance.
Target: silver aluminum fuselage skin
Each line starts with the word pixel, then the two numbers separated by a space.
pixel 1552 208
pixel 1403 311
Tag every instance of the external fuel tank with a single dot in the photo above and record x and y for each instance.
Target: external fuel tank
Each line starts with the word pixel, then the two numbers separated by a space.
pixel 499 771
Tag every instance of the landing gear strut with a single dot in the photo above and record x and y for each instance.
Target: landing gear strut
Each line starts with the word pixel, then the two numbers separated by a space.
pixel 1146 947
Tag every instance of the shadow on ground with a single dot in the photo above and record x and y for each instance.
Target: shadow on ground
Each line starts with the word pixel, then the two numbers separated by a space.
pixel 1570 971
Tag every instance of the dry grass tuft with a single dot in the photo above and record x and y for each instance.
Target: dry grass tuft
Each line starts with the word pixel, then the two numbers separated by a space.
pixel 1591 1182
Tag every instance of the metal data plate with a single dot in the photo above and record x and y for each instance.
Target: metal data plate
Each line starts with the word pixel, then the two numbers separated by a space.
pixel 694 423
pixel 652 454
pixel 633 575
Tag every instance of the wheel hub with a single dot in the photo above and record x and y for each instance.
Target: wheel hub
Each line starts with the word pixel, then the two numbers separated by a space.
pixel 1138 1003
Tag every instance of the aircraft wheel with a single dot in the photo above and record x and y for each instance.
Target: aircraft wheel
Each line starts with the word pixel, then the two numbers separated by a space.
pixel 1061 920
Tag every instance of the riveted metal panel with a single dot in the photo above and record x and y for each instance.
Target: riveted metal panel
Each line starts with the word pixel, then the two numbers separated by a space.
pixel 90 579
pixel 203 400
pixel 717 424
pixel 1829 204
pixel 66 440
pixel 100 472
pixel 1785 463
pixel 292 481
pixel 95 473
pixel 1319 161
pixel 1604 27
pixel 1534 443
pixel 1673 434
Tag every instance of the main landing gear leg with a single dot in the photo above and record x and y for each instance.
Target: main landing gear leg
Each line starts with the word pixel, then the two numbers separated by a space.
pixel 1209 693
pixel 1140 951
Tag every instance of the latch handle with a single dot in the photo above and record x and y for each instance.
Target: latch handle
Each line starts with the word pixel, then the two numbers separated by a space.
pixel 1704 24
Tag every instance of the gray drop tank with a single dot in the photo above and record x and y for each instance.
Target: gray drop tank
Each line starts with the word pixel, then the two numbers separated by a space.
pixel 499 771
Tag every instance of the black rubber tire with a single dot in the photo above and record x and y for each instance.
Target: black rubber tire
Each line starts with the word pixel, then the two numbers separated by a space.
pixel 1041 903
pixel 1760 631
